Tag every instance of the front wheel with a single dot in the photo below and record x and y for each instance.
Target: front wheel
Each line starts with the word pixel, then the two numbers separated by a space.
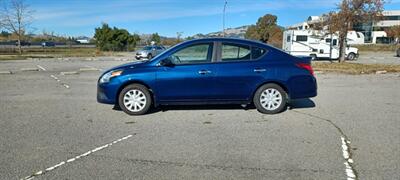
pixel 313 57
pixel 270 99
pixel 135 99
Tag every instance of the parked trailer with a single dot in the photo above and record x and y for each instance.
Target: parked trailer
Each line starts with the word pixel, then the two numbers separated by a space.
pixel 314 44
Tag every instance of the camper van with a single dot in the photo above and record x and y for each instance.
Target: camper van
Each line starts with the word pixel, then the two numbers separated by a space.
pixel 315 44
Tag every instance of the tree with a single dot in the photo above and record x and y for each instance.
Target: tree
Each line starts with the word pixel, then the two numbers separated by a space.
pixel 353 12
pixel 266 30
pixel 252 33
pixel 114 39
pixel 16 17
pixel 394 32
pixel 266 25
pixel 5 34
pixel 178 37
pixel 156 38
pixel 133 41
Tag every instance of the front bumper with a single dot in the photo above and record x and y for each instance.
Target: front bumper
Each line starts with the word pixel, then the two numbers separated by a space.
pixel 107 93
pixel 140 56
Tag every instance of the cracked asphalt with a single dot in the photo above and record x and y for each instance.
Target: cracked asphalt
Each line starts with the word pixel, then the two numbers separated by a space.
pixel 44 123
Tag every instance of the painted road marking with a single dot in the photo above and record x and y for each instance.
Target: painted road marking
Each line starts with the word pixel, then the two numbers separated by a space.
pixel 89 68
pixel 58 80
pixel 349 161
pixel 40 67
pixel 29 69
pixel 38 173
pixel 351 172
pixel 69 73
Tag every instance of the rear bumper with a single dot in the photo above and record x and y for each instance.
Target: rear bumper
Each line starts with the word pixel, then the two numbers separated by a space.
pixel 303 87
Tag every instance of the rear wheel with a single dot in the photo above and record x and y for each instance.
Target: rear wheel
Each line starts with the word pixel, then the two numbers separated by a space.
pixel 351 56
pixel 135 99
pixel 270 99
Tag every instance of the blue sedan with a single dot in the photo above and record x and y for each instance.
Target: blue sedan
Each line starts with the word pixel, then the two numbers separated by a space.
pixel 210 71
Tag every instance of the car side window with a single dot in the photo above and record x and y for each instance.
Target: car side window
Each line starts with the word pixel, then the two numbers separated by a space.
pixel 198 53
pixel 257 52
pixel 235 52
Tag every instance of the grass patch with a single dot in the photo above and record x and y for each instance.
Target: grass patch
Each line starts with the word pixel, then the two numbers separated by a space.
pixel 377 47
pixel 355 68
pixel 55 52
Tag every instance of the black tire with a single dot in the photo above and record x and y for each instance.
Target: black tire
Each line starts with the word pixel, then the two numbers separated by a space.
pixel 257 99
pixel 351 56
pixel 313 57
pixel 149 56
pixel 140 88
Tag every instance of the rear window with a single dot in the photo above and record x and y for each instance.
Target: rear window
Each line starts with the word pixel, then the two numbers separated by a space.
pixel 235 52
pixel 257 52
pixel 240 52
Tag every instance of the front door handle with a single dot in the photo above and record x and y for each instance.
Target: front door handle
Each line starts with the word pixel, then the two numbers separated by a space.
pixel 204 72
pixel 259 70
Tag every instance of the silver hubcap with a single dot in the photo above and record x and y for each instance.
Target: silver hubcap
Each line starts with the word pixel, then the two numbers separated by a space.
pixel 135 100
pixel 271 99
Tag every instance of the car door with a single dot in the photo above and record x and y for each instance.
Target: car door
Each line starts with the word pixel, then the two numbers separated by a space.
pixel 238 71
pixel 159 50
pixel 191 76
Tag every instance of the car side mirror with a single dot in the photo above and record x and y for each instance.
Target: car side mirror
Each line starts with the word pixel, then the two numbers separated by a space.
pixel 167 62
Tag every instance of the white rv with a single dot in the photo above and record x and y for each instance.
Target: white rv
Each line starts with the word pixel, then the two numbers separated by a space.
pixel 314 44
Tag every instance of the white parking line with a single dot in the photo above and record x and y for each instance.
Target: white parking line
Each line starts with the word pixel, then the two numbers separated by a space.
pixel 58 80
pixel 38 173
pixel 40 67
pixel 349 161
pixel 92 68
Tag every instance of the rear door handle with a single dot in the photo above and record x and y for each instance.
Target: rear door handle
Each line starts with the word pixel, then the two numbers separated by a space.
pixel 259 70
pixel 204 72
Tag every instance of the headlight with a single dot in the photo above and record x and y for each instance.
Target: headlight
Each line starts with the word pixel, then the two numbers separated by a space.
pixel 107 76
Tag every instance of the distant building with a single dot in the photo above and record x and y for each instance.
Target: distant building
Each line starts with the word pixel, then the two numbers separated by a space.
pixel 372 32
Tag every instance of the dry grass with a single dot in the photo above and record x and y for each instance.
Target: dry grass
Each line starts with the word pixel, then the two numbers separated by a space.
pixel 354 68
pixel 57 52
pixel 377 47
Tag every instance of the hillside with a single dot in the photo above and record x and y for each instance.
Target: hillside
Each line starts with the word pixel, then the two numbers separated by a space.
pixel 237 32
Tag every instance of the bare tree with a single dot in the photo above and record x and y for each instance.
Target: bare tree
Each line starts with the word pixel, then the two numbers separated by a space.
pixel 16 17
pixel 394 32
pixel 352 12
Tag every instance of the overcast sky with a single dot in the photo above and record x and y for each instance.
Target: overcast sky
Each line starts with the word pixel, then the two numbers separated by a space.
pixel 80 17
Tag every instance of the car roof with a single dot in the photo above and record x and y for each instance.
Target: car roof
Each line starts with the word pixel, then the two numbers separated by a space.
pixel 237 40
pixel 233 40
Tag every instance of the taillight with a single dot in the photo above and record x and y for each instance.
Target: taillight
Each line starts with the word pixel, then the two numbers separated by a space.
pixel 306 67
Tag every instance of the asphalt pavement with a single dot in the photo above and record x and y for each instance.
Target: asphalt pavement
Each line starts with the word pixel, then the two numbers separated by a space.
pixel 53 128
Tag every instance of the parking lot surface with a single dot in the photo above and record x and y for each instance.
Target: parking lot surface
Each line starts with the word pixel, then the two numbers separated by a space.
pixel 53 128
pixel 384 57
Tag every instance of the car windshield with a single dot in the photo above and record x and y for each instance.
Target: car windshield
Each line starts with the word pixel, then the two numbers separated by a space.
pixel 147 48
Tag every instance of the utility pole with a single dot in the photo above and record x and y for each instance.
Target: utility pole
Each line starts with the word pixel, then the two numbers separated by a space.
pixel 223 19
